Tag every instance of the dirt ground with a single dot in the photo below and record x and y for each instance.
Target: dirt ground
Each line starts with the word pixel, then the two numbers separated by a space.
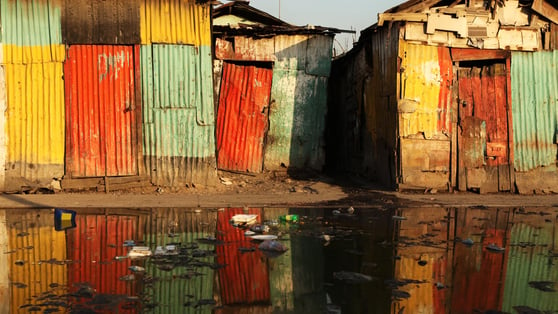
pixel 272 189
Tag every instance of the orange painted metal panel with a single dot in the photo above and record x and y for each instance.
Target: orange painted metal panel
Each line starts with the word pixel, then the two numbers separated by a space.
pixel 93 246
pixel 242 118
pixel 100 111
pixel 245 279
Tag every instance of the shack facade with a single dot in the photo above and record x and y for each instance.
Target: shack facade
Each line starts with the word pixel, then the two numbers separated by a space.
pixel 450 95
pixel 271 86
pixel 121 94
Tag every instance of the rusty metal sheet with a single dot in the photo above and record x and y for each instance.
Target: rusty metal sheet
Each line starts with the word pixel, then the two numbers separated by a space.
pixel 185 22
pixel 34 124
pixel 93 247
pixel 101 111
pixel 178 119
pixel 31 31
pixel 242 118
pixel 4 265
pixel 245 48
pixel 101 22
pixel 427 80
pixel 246 278
pixel 534 103
pixel 40 254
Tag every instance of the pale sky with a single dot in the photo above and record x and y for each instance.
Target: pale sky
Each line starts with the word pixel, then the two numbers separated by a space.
pixel 352 14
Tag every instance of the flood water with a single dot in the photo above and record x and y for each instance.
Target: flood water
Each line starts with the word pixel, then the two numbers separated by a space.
pixel 372 260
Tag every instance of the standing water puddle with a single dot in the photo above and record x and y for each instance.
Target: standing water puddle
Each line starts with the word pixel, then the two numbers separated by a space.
pixel 361 260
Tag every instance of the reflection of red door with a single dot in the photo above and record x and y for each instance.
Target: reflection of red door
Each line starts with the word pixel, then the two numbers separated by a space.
pixel 242 117
pixel 100 117
pixel 483 122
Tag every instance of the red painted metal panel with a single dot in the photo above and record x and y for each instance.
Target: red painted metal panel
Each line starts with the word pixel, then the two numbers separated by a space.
pixel 245 279
pixel 93 246
pixel 482 94
pixel 242 118
pixel 478 284
pixel 100 111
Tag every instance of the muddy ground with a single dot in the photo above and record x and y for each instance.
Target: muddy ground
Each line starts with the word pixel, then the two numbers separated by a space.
pixel 272 189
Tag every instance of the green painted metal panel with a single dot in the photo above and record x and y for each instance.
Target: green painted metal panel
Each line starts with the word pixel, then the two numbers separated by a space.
pixel 297 120
pixel 187 282
pixel 31 22
pixel 529 260
pixel 319 55
pixel 534 80
pixel 178 113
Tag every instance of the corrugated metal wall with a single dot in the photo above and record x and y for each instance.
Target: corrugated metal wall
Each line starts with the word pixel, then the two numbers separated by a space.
pixel 101 22
pixel 40 255
pixel 175 22
pixel 172 289
pixel 380 106
pixel 534 100
pixel 31 31
pixel 178 113
pixel 242 118
pixel 92 247
pixel 101 111
pixel 296 135
pixel 426 82
pixel 530 245
pixel 245 279
pixel 35 123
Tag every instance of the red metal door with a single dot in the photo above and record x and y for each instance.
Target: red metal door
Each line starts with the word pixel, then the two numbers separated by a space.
pixel 242 117
pixel 483 120
pixel 100 117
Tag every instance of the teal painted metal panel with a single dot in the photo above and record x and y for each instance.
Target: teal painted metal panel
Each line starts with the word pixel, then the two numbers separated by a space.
pixel 534 80
pixel 178 113
pixel 30 22
pixel 188 281
pixel 529 260
pixel 299 102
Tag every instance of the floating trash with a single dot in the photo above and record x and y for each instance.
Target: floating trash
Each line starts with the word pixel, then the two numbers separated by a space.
pixel 272 248
pixel 139 252
pixel 495 248
pixel 136 269
pixel 398 218
pixel 468 241
pixel 263 237
pixel 546 286
pixel 352 277
pixel 64 219
pixel 128 243
pixel 244 219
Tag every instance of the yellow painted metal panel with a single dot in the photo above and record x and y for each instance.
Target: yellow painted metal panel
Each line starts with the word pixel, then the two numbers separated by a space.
pixel 40 254
pixel 421 299
pixel 420 86
pixel 3 136
pixel 175 22
pixel 35 121
pixel 32 54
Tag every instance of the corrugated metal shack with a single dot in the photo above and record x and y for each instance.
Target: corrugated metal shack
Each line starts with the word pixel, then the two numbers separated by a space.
pixel 99 91
pixel 450 94
pixel 271 81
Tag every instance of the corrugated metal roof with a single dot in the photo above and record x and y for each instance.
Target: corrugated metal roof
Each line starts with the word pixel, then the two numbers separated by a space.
pixel 31 31
pixel 101 111
pixel 534 101
pixel 426 83
pixel 40 261
pixel 173 289
pixel 175 22
pixel 35 122
pixel 530 245
pixel 178 113
pixel 242 119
